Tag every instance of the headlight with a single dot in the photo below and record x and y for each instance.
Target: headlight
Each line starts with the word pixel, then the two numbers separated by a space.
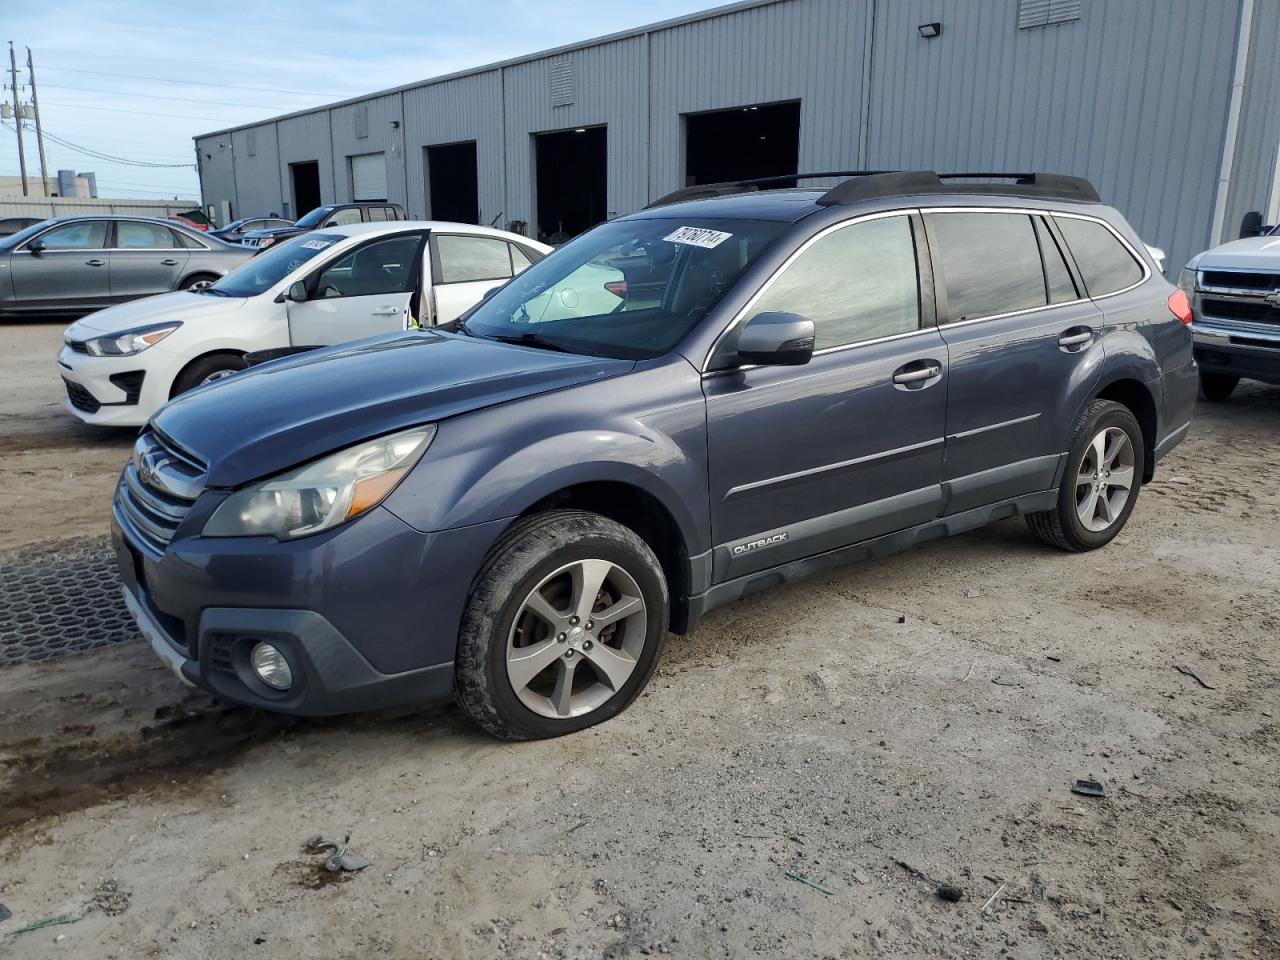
pixel 323 493
pixel 266 242
pixel 129 341
pixel 1187 283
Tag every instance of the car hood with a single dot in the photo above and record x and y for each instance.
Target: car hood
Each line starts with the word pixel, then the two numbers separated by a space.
pixel 181 305
pixel 280 414
pixel 273 232
pixel 1252 253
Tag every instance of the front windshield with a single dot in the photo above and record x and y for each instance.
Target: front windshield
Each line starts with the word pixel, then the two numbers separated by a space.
pixel 264 271
pixel 10 242
pixel 630 289
pixel 313 218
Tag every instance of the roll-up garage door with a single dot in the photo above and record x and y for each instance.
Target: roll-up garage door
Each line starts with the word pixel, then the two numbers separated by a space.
pixel 369 177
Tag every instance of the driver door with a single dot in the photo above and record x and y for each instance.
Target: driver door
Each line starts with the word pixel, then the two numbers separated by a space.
pixel 361 294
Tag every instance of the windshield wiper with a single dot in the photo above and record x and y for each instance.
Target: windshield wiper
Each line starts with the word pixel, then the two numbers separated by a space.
pixel 532 340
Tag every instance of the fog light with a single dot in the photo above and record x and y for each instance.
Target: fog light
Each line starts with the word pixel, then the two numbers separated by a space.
pixel 271 666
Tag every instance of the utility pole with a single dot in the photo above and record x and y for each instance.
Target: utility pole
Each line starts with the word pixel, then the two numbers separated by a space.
pixel 17 116
pixel 35 107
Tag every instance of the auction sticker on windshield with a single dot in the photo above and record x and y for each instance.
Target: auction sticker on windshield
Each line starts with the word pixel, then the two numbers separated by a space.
pixel 317 244
pixel 698 237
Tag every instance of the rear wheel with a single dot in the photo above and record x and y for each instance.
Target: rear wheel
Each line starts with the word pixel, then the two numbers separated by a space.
pixel 1100 484
pixel 198 281
pixel 563 629
pixel 1216 387
pixel 206 369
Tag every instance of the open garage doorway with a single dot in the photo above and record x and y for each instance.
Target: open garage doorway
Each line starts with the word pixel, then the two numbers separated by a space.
pixel 453 186
pixel 762 140
pixel 305 178
pixel 572 181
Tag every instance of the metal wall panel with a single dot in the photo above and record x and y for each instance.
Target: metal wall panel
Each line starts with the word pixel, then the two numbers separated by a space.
pixel 300 139
pixel 217 171
pixel 468 108
pixel 257 176
pixel 386 135
pixel 807 50
pixel 611 88
pixel 1132 95
pixel 65 206
pixel 1258 136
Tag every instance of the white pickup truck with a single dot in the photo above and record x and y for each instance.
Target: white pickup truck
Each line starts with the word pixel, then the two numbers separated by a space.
pixel 1234 291
pixel 329 286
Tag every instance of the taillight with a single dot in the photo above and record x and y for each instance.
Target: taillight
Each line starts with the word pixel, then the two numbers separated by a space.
pixel 618 288
pixel 1180 306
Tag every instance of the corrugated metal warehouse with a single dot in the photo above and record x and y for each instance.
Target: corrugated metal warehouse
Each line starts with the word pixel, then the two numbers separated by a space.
pixel 1168 106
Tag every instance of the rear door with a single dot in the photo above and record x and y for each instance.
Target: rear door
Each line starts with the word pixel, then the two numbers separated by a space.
pixel 1023 343
pixel 146 259
pixel 362 293
pixel 848 447
pixel 71 272
pixel 464 268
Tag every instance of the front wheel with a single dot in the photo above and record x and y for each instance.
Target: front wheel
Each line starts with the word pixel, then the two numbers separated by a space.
pixel 1216 387
pixel 563 628
pixel 1100 484
pixel 206 369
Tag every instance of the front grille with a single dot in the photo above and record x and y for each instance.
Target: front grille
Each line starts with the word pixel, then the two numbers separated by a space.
pixel 1249 311
pixel 157 489
pixel 77 346
pixel 81 398
pixel 1241 280
pixel 130 383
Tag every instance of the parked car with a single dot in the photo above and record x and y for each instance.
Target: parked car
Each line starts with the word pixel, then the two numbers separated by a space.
pixel 330 215
pixel 74 265
pixel 11 225
pixel 1234 291
pixel 342 283
pixel 189 223
pixel 234 231
pixel 518 510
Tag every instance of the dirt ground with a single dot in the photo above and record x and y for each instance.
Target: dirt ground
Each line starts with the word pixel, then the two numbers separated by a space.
pixel 801 775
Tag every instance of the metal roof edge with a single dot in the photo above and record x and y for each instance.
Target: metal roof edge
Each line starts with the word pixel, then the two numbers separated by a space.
pixel 711 14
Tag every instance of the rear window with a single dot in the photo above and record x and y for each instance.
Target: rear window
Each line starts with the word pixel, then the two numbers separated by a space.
pixel 1104 262
pixel 989 263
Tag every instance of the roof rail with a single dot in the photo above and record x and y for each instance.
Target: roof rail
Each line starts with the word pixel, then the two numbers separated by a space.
pixel 703 191
pixel 907 183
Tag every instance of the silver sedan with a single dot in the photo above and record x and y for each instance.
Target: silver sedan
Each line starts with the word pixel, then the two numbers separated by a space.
pixel 70 266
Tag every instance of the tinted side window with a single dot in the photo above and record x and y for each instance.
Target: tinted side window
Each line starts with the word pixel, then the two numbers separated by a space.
pixel 472 258
pixel 519 260
pixel 1104 263
pixel 343 217
pixel 857 283
pixel 1057 277
pixel 377 213
pixel 81 235
pixel 381 267
pixel 130 234
pixel 988 263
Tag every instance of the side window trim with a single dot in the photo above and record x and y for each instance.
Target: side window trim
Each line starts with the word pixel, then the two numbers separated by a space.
pixel 1072 267
pixel 1045 233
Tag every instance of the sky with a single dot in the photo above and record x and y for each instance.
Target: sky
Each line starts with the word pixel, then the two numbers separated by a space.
pixel 137 79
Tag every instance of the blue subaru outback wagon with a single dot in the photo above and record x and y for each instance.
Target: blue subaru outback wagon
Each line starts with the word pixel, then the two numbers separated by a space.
pixel 728 390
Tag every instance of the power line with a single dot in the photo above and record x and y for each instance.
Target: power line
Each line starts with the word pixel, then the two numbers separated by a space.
pixel 99 155
pixel 158 96
pixel 140 113
pixel 198 83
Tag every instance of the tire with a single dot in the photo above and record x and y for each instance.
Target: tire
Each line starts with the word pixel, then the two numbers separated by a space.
pixel 198 280
pixel 550 554
pixel 1077 523
pixel 1216 387
pixel 211 366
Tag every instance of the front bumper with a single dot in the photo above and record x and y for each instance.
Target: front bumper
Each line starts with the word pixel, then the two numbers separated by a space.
pixel 367 615
pixel 1253 354
pixel 112 391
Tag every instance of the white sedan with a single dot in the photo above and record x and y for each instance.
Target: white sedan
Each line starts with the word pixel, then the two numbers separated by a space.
pixel 338 284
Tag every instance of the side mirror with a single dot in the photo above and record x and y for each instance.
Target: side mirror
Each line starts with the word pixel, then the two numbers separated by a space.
pixel 777 340
pixel 36 246
pixel 490 292
pixel 297 292
pixel 1251 224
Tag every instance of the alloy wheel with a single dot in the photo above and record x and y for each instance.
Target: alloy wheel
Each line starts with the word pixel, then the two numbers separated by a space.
pixel 1106 478
pixel 216 375
pixel 576 639
pixel 200 285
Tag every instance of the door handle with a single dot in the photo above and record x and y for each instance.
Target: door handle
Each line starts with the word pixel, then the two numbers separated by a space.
pixel 915 374
pixel 169 263
pixel 386 311
pixel 95 263
pixel 1075 337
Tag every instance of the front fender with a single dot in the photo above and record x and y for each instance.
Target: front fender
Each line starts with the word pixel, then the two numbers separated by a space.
pixel 646 429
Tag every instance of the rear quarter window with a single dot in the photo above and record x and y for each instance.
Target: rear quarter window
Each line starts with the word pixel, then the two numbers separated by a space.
pixel 1104 262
